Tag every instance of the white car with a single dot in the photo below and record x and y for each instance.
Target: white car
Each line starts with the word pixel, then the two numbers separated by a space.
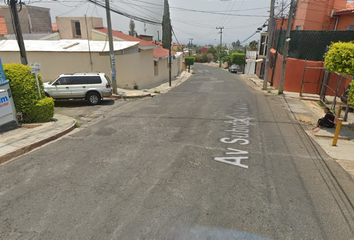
pixel 90 86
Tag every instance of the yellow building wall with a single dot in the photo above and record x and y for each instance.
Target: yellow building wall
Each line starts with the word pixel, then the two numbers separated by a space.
pixel 53 64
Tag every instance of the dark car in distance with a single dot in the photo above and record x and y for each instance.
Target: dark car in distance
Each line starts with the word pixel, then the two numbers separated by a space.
pixel 234 69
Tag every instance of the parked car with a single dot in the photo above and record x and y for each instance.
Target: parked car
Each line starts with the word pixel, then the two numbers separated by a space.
pixel 234 69
pixel 89 86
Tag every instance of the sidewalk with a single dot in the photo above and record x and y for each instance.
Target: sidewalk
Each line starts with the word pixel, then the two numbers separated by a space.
pixel 307 111
pixel 30 136
pixel 153 90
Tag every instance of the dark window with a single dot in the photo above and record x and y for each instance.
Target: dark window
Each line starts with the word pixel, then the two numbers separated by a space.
pixel 77 28
pixel 77 80
pixel 63 81
pixel 92 80
pixel 262 44
pixel 155 63
pixel 86 80
pixel 351 27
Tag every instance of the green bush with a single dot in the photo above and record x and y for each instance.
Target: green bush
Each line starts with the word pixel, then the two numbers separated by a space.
pixel 25 94
pixel 351 94
pixel 238 58
pixel 202 58
pixel 42 111
pixel 340 58
pixel 190 60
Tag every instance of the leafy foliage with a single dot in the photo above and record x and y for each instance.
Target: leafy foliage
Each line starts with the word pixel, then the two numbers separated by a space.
pixel 238 58
pixel 25 94
pixel 132 31
pixel 166 23
pixel 190 60
pixel 351 94
pixel 253 45
pixel 340 58
pixel 202 58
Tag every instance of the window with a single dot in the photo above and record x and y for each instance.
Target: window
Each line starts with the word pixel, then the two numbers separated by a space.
pixel 63 81
pixel 86 80
pixel 263 45
pixel 156 68
pixel 351 27
pixel 298 27
pixel 76 28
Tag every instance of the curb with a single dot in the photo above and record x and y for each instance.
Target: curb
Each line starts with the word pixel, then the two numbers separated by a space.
pixel 32 146
pixel 129 97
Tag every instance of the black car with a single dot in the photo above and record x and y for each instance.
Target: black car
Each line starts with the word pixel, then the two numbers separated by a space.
pixel 234 69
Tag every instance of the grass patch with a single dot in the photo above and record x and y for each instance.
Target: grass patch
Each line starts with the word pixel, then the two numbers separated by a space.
pixel 77 125
pixel 157 92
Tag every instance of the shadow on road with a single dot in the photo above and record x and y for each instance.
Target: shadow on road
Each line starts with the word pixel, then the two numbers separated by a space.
pixel 81 103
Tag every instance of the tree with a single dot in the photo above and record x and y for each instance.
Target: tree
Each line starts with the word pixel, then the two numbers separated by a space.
pixel 340 59
pixel 211 50
pixel 132 31
pixel 166 26
pixel 253 45
pixel 238 58
pixel 189 60
pixel 210 57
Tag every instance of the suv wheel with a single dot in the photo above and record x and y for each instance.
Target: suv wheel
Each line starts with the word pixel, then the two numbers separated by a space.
pixel 93 98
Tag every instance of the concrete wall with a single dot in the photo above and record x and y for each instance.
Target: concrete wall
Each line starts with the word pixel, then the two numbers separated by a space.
pixel 294 72
pixel 315 15
pixel 54 64
pixel 345 21
pixel 66 28
pixel 32 20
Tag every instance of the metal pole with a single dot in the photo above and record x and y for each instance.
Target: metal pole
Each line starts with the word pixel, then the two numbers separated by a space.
pixel 335 97
pixel 302 79
pixel 89 47
pixel 221 28
pixel 111 48
pixel 276 53
pixel 286 47
pixel 169 55
pixel 336 134
pixel 269 43
pixel 39 88
pixel 18 32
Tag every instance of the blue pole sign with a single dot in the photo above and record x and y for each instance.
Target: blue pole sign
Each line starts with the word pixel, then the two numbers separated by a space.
pixel 3 79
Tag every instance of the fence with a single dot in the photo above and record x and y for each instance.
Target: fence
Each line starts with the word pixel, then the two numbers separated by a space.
pixel 310 45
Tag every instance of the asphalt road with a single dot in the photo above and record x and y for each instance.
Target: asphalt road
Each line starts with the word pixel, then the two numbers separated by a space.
pixel 212 159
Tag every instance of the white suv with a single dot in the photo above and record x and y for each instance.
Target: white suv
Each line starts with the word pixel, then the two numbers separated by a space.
pixel 90 86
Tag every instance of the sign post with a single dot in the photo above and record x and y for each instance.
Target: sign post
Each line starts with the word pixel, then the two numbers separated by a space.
pixel 36 68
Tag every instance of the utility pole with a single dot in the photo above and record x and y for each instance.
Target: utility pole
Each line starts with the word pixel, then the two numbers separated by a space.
pixel 269 43
pixel 190 45
pixel 111 48
pixel 18 31
pixel 170 54
pixel 221 28
pixel 286 47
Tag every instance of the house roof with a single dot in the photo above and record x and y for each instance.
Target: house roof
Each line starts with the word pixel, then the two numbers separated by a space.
pixel 74 45
pixel 126 37
pixel 160 53
pixel 348 10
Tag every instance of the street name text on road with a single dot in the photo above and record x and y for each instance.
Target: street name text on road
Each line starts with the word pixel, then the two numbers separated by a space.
pixel 241 122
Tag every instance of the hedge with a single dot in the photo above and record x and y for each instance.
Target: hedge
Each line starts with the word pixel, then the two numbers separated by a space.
pixel 25 94
pixel 340 59
pixel 190 60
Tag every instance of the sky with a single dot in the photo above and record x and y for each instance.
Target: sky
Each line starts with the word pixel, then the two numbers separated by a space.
pixel 195 19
